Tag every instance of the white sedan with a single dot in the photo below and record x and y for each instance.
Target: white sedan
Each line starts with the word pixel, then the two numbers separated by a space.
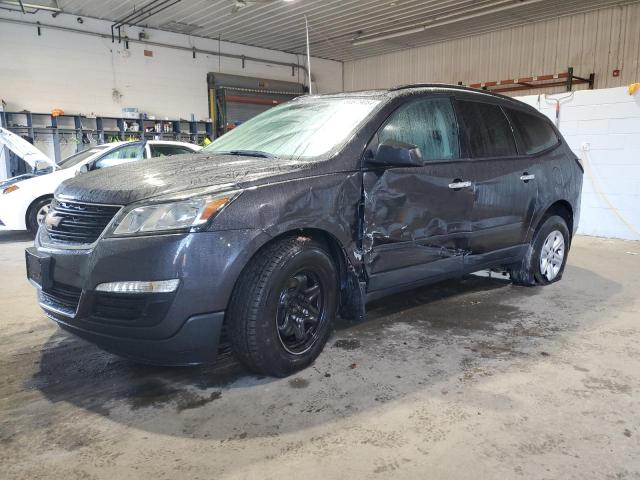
pixel 24 202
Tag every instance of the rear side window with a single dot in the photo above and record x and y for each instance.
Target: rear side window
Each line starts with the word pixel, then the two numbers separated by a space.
pixel 536 134
pixel 118 156
pixel 487 129
pixel 429 124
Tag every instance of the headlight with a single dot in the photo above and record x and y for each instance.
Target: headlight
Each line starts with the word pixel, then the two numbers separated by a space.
pixel 172 216
pixel 10 188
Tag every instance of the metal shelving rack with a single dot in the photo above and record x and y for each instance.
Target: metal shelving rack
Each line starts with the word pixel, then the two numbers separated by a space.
pixel 102 129
pixel 563 79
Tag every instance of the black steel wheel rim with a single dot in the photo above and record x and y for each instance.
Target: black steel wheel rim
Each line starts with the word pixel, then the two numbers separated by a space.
pixel 301 312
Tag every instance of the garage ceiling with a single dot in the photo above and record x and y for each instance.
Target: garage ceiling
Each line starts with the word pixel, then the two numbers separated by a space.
pixel 375 26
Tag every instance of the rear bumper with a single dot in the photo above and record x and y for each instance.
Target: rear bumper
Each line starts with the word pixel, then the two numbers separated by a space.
pixel 197 342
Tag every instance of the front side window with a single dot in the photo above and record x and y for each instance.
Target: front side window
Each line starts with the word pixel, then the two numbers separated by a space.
pixel 160 150
pixel 487 130
pixel 118 156
pixel 429 124
pixel 301 130
pixel 536 134
pixel 74 160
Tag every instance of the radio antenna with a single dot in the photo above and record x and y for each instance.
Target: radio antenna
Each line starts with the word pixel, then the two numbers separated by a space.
pixel 306 23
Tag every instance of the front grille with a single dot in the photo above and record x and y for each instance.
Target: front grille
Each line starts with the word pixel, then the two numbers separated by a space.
pixel 76 222
pixel 63 298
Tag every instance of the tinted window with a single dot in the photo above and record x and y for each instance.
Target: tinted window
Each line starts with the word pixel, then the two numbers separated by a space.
pixel 536 134
pixel 128 153
pixel 166 150
pixel 430 124
pixel 78 157
pixel 487 129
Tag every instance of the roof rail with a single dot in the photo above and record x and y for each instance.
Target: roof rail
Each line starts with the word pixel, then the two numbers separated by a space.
pixel 447 85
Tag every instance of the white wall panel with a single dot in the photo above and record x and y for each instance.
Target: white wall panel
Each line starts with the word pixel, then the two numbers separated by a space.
pixel 602 127
pixel 78 72
pixel 599 41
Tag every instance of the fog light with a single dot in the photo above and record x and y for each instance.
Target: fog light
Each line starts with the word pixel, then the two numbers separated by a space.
pixel 160 286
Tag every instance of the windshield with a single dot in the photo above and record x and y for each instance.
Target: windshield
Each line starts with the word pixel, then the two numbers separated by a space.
pixel 79 157
pixel 297 130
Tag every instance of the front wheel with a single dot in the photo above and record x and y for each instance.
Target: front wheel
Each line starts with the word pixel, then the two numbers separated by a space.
pixel 281 310
pixel 546 256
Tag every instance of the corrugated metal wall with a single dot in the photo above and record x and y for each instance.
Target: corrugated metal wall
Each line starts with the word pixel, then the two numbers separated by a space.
pixel 598 41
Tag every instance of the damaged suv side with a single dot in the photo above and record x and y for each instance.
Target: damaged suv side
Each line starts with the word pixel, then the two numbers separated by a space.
pixel 308 210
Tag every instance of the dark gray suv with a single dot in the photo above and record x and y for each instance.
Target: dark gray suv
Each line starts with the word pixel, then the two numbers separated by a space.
pixel 307 211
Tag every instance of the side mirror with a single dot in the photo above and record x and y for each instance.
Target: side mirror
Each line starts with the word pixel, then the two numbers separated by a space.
pixel 83 169
pixel 397 154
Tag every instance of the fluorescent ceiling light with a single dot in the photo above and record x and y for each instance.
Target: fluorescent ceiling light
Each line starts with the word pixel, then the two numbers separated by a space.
pixel 387 36
pixel 443 20
pixel 179 27
pixel 23 6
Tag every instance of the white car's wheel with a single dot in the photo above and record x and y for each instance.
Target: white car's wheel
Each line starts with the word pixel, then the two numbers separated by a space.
pixel 37 211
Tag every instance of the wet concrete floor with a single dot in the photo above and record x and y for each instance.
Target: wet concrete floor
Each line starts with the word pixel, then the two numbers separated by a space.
pixel 467 379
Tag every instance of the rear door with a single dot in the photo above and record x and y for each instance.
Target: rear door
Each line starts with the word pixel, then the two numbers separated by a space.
pixel 539 156
pixel 417 219
pixel 504 197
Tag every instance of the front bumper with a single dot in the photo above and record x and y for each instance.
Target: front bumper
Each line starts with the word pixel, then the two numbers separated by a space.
pixel 13 210
pixel 178 328
pixel 197 342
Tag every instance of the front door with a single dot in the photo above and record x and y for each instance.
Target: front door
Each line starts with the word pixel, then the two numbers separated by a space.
pixel 417 219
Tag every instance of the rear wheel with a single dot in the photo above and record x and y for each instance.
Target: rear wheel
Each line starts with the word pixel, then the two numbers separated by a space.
pixel 281 309
pixel 546 256
pixel 37 211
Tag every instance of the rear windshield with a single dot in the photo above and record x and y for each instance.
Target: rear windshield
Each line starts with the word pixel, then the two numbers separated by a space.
pixel 306 129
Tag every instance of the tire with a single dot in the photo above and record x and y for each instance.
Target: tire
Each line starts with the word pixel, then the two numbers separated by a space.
pixel 264 333
pixel 32 215
pixel 532 271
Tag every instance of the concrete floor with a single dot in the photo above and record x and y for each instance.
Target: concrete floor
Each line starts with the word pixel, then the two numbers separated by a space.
pixel 472 379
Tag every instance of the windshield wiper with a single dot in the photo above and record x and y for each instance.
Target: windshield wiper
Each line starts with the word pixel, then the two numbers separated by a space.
pixel 249 153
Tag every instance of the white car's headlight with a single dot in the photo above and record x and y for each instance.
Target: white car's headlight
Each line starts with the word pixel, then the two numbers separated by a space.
pixel 179 215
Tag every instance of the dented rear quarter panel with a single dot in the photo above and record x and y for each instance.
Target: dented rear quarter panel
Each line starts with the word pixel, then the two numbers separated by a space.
pixel 559 178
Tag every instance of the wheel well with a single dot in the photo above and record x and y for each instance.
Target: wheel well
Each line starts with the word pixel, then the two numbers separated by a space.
pixel 351 300
pixel 31 205
pixel 563 209
pixel 332 243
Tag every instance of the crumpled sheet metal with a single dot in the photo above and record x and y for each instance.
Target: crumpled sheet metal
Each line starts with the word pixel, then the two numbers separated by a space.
pixel 326 202
pixel 405 209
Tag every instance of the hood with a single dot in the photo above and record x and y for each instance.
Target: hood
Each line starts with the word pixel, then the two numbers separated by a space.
pixel 131 182
pixel 10 181
pixel 23 149
pixel 40 184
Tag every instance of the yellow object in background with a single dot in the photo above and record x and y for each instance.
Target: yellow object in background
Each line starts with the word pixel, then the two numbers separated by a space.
pixel 633 88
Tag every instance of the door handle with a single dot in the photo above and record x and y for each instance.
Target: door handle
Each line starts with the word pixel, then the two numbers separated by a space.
pixel 525 177
pixel 458 184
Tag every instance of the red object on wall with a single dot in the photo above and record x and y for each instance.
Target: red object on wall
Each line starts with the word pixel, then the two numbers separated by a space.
pixel 616 72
